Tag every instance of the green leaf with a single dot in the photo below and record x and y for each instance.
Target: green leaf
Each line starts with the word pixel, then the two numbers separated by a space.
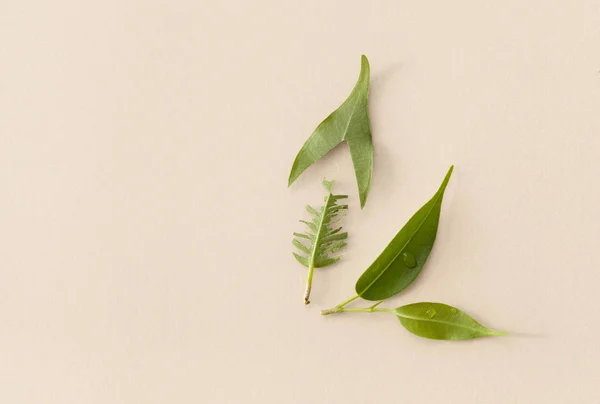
pixel 440 321
pixel 323 241
pixel 402 260
pixel 350 123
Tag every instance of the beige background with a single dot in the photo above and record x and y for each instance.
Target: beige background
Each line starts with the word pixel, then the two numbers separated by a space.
pixel 145 222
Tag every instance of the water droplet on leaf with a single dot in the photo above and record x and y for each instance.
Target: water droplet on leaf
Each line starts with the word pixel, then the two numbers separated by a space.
pixel 430 313
pixel 453 311
pixel 409 260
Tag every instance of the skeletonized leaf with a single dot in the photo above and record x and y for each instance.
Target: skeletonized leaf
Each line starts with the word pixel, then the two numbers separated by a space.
pixel 319 245
pixel 323 240
pixel 440 321
pixel 402 260
pixel 350 122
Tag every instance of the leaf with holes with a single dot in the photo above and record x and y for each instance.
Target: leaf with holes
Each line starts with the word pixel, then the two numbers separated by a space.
pixel 322 240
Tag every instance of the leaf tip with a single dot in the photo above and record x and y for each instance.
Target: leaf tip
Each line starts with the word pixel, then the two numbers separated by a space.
pixel 363 200
pixel 450 170
pixel 328 185
pixel 291 178
pixel 365 67
pixel 494 333
pixel 446 180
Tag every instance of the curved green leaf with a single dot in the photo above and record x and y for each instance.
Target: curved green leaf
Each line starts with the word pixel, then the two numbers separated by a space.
pixel 402 260
pixel 350 122
pixel 440 321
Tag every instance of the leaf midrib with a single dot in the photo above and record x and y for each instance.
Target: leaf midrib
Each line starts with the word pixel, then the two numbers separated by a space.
pixel 436 197
pixel 440 322
pixel 313 254
pixel 351 116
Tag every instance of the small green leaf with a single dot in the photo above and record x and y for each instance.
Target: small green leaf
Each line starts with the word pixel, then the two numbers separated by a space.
pixel 440 321
pixel 324 240
pixel 402 260
pixel 350 122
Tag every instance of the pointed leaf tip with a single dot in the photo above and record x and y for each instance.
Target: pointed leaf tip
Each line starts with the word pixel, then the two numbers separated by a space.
pixel 363 201
pixel 403 259
pixel 328 185
pixel 446 179
pixel 350 122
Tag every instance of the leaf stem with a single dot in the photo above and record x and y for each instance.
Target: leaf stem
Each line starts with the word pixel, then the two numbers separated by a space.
pixel 371 309
pixel 348 301
pixel 311 270
pixel 376 304
pixel 339 307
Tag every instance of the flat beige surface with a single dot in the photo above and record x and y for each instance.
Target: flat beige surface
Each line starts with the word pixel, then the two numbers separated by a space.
pixel 145 223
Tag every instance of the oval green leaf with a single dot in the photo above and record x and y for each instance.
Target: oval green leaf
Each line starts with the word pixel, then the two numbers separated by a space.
pixel 402 260
pixel 440 321
pixel 350 122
